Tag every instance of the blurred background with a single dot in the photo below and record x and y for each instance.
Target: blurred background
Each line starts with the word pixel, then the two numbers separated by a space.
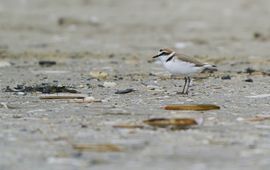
pixel 209 27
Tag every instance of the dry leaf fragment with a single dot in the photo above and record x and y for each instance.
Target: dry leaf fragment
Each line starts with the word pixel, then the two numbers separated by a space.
pixel 127 126
pixel 259 118
pixel 178 122
pixel 97 148
pixel 63 96
pixel 195 107
pixel 45 88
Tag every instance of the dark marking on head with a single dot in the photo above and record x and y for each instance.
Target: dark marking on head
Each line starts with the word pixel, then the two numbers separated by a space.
pixel 164 51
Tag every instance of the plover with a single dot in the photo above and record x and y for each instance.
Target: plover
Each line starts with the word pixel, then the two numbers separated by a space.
pixel 179 64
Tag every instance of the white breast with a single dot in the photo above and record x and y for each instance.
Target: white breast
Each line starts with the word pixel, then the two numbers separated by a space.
pixel 177 67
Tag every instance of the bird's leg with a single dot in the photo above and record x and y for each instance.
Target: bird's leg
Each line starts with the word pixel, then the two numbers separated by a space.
pixel 188 83
pixel 183 91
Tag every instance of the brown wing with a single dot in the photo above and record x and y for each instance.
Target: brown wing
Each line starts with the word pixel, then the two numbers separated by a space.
pixel 189 59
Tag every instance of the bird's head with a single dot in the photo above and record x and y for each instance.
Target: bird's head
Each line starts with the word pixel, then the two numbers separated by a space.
pixel 164 54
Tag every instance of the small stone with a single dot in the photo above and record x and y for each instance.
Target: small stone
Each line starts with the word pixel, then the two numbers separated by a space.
pixel 239 72
pixel 111 56
pixel 152 74
pixel 155 88
pixel 84 126
pixel 152 87
pixel 227 77
pixel 257 35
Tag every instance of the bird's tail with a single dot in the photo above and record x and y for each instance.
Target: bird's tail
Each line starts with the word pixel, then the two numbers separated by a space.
pixel 210 68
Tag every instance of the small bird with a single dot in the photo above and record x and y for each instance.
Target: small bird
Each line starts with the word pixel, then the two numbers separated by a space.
pixel 179 64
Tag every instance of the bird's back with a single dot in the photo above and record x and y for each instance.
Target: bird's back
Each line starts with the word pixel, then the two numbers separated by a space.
pixel 189 59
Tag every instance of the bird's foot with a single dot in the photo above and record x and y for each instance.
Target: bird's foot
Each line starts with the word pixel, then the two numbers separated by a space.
pixel 183 93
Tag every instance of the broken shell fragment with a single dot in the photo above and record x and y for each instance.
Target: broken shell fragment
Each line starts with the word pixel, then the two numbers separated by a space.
pixel 5 64
pixel 177 122
pixel 86 100
pixel 109 84
pixel 259 96
pixel 258 118
pixel 99 74
pixel 7 106
pixel 195 107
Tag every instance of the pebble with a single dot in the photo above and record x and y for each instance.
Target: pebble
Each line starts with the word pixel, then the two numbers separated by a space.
pixel 124 91
pixel 227 77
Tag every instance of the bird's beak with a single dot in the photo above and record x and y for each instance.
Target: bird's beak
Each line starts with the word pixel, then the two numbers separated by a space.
pixel 156 56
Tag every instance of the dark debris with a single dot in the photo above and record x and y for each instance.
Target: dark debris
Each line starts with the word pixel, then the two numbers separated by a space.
pixel 47 63
pixel 249 80
pixel 249 70
pixel 43 88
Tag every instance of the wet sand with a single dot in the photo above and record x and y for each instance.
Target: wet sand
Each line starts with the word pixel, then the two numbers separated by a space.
pixel 119 38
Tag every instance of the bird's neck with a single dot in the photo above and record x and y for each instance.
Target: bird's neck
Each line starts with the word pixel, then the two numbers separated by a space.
pixel 164 58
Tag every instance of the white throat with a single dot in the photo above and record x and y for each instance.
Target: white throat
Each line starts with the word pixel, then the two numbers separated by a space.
pixel 164 58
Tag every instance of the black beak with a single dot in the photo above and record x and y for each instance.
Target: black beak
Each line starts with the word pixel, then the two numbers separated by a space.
pixel 156 56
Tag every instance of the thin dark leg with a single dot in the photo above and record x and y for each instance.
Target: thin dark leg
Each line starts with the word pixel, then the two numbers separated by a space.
pixel 183 91
pixel 188 83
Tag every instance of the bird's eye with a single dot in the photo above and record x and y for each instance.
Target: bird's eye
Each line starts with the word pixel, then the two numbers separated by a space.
pixel 160 50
